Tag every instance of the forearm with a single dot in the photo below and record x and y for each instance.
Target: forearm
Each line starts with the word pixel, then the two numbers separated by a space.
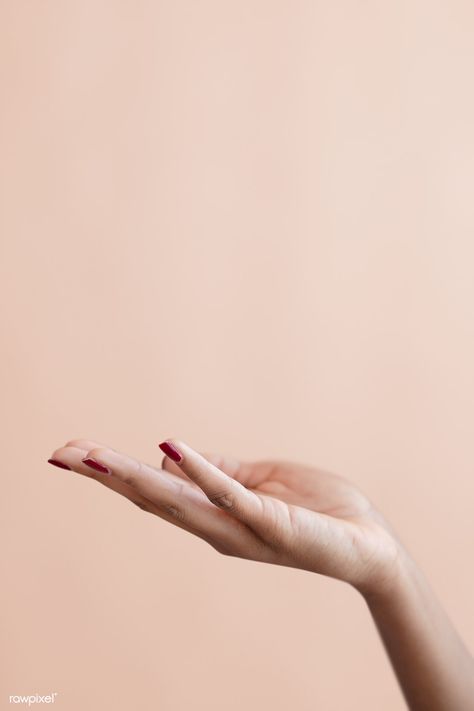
pixel 434 668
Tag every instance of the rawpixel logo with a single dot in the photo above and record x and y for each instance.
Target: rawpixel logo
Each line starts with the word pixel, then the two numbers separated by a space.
pixel 34 699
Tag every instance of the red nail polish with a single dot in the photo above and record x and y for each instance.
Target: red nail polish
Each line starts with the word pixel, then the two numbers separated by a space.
pixel 94 464
pixel 59 464
pixel 170 451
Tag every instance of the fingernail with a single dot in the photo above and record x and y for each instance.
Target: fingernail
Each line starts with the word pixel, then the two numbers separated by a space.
pixel 170 451
pixel 94 464
pixel 57 463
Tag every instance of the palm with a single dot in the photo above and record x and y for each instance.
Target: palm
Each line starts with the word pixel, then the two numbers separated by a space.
pixel 307 487
pixel 349 535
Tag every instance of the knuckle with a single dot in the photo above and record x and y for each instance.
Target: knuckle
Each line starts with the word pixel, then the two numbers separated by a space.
pixel 223 499
pixel 174 512
pixel 132 475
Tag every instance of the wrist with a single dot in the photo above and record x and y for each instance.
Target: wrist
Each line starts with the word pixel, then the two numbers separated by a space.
pixel 395 577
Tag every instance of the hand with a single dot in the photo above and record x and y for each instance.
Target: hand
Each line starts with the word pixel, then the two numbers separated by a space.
pixel 276 512
pixel 294 515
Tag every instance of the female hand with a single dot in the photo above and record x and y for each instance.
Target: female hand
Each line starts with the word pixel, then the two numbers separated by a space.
pixel 294 515
pixel 276 512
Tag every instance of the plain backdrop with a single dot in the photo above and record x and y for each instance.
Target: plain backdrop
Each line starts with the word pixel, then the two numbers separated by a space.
pixel 248 225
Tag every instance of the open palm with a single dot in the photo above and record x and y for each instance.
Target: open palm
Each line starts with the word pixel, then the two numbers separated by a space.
pixel 273 511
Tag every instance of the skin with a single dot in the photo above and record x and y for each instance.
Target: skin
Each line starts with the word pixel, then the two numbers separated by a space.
pixel 289 514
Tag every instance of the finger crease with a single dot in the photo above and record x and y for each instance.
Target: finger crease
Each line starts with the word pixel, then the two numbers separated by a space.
pixel 224 501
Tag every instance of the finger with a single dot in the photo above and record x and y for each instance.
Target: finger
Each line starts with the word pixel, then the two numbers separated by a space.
pixel 72 456
pixel 87 444
pixel 83 446
pixel 176 497
pixel 229 465
pixel 222 490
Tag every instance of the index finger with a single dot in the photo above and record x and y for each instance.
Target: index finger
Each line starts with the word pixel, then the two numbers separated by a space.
pixel 222 490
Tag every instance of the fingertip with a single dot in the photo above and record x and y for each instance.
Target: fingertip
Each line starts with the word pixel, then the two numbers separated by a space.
pixel 171 450
pixel 59 464
pixel 96 458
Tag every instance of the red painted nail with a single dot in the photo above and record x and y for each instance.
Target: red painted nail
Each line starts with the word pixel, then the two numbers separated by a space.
pixel 171 451
pixel 94 464
pixel 57 463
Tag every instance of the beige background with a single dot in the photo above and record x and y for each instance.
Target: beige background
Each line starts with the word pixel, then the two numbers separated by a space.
pixel 248 225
